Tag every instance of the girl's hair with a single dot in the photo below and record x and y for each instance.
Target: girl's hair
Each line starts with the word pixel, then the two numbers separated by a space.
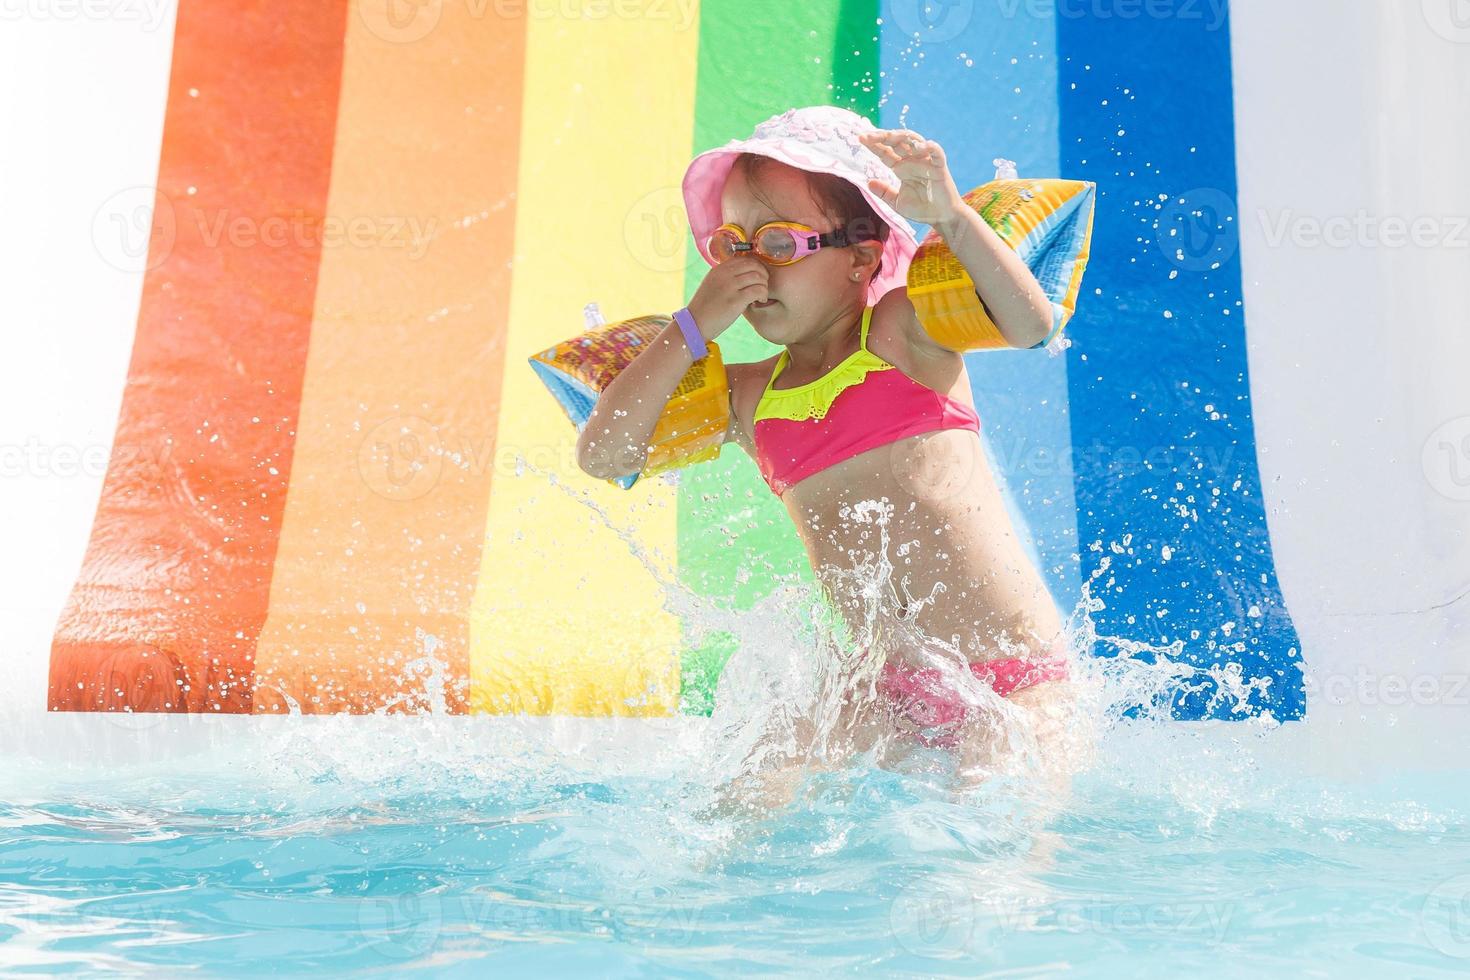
pixel 838 199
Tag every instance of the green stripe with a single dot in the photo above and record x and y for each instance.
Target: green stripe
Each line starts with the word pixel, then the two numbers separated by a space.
pixel 736 542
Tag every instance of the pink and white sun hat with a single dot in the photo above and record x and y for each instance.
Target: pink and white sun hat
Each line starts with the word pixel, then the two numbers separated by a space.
pixel 819 138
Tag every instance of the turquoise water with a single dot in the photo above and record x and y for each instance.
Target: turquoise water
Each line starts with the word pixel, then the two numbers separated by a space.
pixel 452 845
pixel 361 846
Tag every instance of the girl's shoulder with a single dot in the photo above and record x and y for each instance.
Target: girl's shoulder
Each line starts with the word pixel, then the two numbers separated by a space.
pixel 896 327
pixel 896 335
pixel 751 374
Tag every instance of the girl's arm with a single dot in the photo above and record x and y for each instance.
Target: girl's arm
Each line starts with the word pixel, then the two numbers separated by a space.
pixel 1006 287
pixel 614 442
pixel 927 193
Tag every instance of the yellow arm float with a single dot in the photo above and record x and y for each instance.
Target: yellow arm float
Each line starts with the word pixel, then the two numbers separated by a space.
pixel 693 424
pixel 1047 222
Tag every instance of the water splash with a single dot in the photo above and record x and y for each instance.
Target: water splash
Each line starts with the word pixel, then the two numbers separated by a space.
pixel 416 839
pixel 785 702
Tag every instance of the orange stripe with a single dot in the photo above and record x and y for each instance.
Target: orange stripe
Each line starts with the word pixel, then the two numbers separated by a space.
pixel 173 588
pixel 381 548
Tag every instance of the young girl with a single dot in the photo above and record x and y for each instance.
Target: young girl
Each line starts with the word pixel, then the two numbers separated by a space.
pixel 863 425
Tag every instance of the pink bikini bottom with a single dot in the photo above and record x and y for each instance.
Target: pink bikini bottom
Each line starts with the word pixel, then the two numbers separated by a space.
pixel 920 694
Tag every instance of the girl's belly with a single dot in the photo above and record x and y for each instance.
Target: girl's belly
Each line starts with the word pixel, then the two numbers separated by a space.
pixel 938 559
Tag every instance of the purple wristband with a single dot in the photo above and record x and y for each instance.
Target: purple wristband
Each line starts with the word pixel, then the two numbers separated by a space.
pixel 692 336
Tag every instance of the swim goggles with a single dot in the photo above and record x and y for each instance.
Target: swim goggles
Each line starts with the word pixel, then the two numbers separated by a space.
pixel 779 242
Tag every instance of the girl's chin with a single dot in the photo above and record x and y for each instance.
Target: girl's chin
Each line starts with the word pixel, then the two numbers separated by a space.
pixel 765 332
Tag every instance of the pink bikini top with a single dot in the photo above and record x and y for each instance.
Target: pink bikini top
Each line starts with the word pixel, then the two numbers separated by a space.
pixel 800 431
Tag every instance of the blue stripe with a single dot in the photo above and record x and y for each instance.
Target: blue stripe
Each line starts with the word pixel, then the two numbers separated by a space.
pixel 959 87
pixel 1163 443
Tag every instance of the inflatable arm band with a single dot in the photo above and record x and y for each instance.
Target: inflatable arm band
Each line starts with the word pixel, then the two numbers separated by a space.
pixel 1047 222
pixel 693 424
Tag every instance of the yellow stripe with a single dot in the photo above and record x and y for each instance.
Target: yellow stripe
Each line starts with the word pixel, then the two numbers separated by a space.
pixel 565 619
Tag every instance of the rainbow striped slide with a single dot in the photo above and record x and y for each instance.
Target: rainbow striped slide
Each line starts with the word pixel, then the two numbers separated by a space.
pixel 356 498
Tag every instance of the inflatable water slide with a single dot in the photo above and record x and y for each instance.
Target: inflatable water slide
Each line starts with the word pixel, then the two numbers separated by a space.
pixel 300 295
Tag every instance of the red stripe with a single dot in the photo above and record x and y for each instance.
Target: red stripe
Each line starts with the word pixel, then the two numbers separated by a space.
pixel 174 586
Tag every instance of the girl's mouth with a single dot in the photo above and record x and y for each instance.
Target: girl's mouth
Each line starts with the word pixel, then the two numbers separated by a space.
pixel 763 304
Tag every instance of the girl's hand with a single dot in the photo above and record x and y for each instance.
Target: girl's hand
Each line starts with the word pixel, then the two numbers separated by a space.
pixel 724 294
pixel 926 192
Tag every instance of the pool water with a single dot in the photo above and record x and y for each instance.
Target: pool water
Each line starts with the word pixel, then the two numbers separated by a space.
pixel 355 846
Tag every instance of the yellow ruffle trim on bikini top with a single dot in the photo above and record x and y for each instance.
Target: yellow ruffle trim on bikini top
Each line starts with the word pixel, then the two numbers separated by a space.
pixel 813 399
